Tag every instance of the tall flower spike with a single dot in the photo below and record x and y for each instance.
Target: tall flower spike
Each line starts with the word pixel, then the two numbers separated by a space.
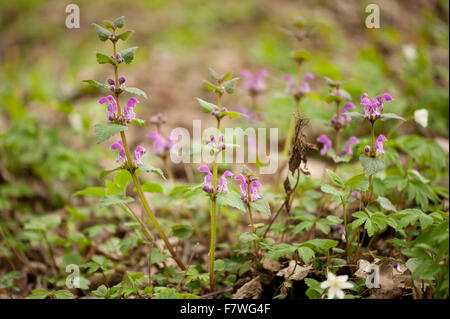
pixel 138 152
pixel 348 149
pixel 208 180
pixel 121 155
pixel 327 145
pixel 379 145
pixel 111 108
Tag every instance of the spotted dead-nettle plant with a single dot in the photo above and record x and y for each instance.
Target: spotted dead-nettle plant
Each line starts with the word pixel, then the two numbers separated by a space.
pixel 118 118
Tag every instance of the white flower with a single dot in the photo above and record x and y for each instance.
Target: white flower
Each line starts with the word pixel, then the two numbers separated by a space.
pixel 409 51
pixel 335 284
pixel 421 117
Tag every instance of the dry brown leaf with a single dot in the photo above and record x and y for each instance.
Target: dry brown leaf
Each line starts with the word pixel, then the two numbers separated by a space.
pixel 251 290
pixel 271 265
pixel 292 272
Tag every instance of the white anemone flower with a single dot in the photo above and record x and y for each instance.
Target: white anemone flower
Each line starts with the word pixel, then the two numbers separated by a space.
pixel 335 284
pixel 421 117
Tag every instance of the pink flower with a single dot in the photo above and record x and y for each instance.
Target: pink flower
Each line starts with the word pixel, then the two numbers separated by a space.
pixel 304 87
pixel 111 108
pixel 327 145
pixel 253 191
pixel 207 185
pixel 138 152
pixel 160 144
pixel 379 145
pixel 374 107
pixel 121 155
pixel 254 83
pixel 347 149
pixel 128 110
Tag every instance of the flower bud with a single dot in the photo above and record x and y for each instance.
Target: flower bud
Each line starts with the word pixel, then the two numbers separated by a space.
pixel 112 88
pixel 122 80
pixel 110 81
pixel 367 149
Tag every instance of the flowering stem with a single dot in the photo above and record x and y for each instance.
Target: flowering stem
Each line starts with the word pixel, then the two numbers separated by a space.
pixel 131 169
pixel 338 131
pixel 212 247
pixel 155 222
pixel 255 245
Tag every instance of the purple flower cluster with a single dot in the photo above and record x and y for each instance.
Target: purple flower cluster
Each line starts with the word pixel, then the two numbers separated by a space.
pixel 328 145
pixel 207 185
pixel 248 187
pixel 138 153
pixel 344 118
pixel 218 146
pixel 374 107
pixel 302 90
pixel 112 83
pixel 118 58
pixel 161 146
pixel 254 83
pixel 111 109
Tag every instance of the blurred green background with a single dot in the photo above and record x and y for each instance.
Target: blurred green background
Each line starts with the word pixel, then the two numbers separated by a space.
pixel 47 141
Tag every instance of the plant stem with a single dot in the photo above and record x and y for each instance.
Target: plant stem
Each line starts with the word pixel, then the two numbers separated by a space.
pixel 212 247
pixel 252 225
pixel 155 222
pixel 169 171
pixel 131 168
pixel 338 132
pixel 50 252
pixel 133 215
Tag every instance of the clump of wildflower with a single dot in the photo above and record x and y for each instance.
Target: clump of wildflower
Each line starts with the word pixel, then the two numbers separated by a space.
pixel 327 144
pixel 335 285
pixel 374 107
pixel 254 83
pixel 338 122
pixel 217 146
pixel 249 188
pixel 302 89
pixel 207 185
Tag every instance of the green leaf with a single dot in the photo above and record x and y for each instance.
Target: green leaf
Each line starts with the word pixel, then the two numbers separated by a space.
pixel 371 227
pixel 334 220
pixel 128 54
pixel 103 59
pixel 115 199
pixel 105 131
pixel 43 223
pixel 76 213
pixel 301 55
pixel 386 204
pixel 136 91
pixel 425 221
pixel 230 85
pixel 334 98
pixel 71 258
pixel 321 243
pixel 124 35
pixel 122 178
pixel 147 168
pixel 391 116
pixel 38 294
pixel 354 180
pixel 331 190
pixel 371 165
pixel 182 231
pixel 91 191
pixel 212 87
pixel 232 114
pixel 356 116
pixel 158 256
pixel 214 75
pixel 109 24
pixel 306 254
pixel 107 172
pixel 335 178
pixel 152 188
pixel 97 84
pixel 231 198
pixel 139 122
pixel 247 237
pixel 119 22
pixel 103 34
pixel 261 206
pixel 206 106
